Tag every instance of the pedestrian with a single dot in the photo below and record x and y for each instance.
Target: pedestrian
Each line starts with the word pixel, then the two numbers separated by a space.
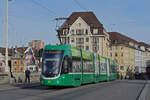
pixel 121 76
pixel 27 75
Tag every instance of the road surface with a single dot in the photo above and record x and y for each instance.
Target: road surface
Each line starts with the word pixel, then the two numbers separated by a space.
pixel 114 90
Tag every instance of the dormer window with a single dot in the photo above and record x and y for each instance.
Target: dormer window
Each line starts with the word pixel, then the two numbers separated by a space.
pixel 115 41
pixel 86 31
pixel 65 31
pixel 79 31
pixel 127 42
pixel 79 24
pixel 95 31
pixel 72 31
pixel 92 31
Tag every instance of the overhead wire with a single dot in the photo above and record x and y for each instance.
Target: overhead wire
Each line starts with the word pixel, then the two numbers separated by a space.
pixel 51 12
pixel 44 7
pixel 80 5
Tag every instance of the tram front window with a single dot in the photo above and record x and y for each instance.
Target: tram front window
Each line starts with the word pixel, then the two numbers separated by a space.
pixel 51 63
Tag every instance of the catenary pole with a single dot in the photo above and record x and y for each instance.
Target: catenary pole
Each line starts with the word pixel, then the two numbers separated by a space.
pixel 6 53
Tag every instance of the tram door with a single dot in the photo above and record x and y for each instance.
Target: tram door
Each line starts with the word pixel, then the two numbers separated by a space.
pixel 96 65
pixel 96 69
pixel 108 69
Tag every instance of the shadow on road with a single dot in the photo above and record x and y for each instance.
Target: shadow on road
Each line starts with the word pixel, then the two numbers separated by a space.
pixel 37 86
pixel 133 81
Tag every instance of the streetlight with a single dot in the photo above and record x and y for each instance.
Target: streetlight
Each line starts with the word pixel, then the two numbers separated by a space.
pixel 6 54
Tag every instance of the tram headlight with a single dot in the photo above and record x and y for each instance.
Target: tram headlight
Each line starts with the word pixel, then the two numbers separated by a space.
pixel 57 82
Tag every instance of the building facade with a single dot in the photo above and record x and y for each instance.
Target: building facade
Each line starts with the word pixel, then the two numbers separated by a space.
pixel 138 60
pixel 2 63
pixel 36 44
pixel 18 59
pixel 83 30
pixel 18 63
pixel 123 51
pixel 145 56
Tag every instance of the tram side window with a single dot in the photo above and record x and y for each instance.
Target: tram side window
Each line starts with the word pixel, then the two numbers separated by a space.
pixel 113 69
pixel 76 65
pixel 73 66
pixel 102 68
pixel 88 66
pixel 91 66
pixel 97 67
pixel 67 65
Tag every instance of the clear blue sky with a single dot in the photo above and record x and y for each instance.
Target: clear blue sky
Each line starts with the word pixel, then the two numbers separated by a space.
pixel 29 20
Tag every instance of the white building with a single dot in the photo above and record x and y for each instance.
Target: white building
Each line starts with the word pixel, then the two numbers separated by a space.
pixel 144 50
pixel 147 56
pixel 138 60
pixel 142 57
pixel 83 30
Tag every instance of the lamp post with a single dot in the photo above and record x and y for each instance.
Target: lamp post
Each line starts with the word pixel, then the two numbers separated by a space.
pixel 6 53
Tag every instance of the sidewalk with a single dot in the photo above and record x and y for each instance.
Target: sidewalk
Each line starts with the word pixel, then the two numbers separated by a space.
pixel 148 93
pixel 6 87
pixel 144 95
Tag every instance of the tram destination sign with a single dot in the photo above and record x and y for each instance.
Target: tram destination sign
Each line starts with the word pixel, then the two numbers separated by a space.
pixel 53 51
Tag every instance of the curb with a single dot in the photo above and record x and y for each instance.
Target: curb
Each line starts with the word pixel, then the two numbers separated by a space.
pixel 144 91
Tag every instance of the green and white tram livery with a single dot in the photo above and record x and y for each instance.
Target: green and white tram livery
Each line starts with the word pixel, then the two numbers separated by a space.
pixel 66 65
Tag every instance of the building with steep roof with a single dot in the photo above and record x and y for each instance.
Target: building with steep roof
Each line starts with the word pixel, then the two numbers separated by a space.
pixel 130 54
pixel 123 51
pixel 84 30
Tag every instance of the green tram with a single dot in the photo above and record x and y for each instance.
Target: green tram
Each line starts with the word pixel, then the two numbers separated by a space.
pixel 66 65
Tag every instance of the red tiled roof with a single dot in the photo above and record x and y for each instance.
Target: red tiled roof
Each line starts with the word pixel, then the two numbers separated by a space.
pixel 11 51
pixel 88 17
pixel 144 44
pixel 2 50
pixel 119 38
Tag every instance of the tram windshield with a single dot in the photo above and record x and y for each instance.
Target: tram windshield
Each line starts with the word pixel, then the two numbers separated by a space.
pixel 52 60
